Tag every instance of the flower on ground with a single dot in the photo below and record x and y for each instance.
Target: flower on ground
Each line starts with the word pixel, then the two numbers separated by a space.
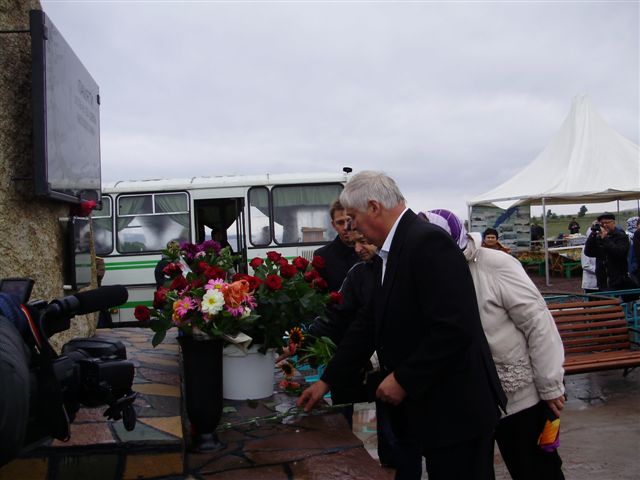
pixel 287 369
pixel 296 336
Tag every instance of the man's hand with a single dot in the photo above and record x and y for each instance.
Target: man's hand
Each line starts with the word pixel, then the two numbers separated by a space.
pixel 390 391
pixel 312 395
pixel 556 404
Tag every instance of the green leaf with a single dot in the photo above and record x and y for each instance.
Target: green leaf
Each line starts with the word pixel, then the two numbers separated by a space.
pixel 158 338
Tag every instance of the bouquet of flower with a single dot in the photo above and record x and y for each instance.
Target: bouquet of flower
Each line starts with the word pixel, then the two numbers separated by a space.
pixel 288 295
pixel 197 298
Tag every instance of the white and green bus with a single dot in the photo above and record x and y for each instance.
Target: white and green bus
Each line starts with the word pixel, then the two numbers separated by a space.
pixel 284 212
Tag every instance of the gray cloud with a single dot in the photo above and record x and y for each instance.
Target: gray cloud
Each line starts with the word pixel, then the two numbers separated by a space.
pixel 451 99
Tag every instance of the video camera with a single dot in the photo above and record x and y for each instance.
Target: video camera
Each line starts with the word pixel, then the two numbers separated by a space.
pixel 41 391
pixel 595 227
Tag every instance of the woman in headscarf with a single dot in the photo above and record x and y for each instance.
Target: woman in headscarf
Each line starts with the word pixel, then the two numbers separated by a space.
pixel 526 348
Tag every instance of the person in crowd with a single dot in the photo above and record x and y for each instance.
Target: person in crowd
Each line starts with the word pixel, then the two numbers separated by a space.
pixel 589 280
pixel 609 245
pixel 441 390
pixel 490 240
pixel 339 255
pixel 357 290
pixel 220 235
pixel 537 232
pixel 574 226
pixel 526 348
pixel 633 258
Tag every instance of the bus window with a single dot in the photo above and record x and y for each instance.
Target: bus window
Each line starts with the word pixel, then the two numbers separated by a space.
pixel 260 231
pixel 303 212
pixel 148 222
pixel 103 228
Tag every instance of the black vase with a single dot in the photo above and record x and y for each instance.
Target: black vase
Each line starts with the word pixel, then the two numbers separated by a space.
pixel 202 380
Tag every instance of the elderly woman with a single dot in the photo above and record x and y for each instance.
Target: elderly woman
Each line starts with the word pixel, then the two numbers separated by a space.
pixel 526 348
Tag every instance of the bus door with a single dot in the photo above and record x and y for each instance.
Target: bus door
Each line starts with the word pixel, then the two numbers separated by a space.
pixel 222 220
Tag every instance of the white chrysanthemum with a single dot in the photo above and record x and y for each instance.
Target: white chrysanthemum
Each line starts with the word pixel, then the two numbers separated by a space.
pixel 247 312
pixel 212 301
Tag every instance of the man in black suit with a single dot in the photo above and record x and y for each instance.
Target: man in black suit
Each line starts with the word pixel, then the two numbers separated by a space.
pixel 339 255
pixel 442 390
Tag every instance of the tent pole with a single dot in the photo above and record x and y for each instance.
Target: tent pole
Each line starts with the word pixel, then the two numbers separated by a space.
pixel 546 246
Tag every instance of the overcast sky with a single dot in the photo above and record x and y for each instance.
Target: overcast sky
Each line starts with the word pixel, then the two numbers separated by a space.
pixel 450 99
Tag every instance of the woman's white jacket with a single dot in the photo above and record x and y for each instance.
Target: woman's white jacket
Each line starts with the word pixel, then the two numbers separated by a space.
pixel 524 341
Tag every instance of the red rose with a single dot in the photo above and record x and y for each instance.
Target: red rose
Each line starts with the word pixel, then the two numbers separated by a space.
pixel 274 282
pixel 178 283
pixel 256 262
pixel 160 297
pixel 282 261
pixel 336 297
pixel 320 283
pixel 196 283
pixel 311 275
pixel 300 263
pixel 142 313
pixel 318 262
pixel 288 271
pixel 200 267
pixel 215 273
pixel 172 270
pixel 274 256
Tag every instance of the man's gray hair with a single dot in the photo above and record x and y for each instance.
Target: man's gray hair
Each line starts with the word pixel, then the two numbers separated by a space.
pixel 370 185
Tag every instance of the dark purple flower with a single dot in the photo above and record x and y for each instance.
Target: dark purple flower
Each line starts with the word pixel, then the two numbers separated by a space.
pixel 208 245
pixel 189 250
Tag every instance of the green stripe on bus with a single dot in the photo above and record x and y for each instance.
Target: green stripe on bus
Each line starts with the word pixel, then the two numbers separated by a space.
pixel 146 303
pixel 131 265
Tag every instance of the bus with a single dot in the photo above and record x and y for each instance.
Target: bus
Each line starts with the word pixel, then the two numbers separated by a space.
pixel 253 213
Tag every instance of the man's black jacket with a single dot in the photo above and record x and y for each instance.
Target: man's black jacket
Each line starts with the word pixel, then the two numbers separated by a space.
pixel 338 259
pixel 425 325
pixel 610 253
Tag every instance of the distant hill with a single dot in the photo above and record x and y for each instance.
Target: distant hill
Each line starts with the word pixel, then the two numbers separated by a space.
pixel 560 223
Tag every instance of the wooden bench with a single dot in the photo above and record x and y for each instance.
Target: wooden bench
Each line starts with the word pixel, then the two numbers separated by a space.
pixel 595 336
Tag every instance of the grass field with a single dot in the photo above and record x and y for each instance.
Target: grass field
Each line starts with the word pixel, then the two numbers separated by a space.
pixel 559 225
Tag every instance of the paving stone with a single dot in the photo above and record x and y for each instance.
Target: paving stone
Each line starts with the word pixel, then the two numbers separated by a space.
pixel 159 376
pixel 88 434
pixel 144 434
pixel 169 360
pixel 261 473
pixel 157 406
pixel 170 425
pixel 353 464
pixel 155 465
pixel 226 462
pixel 157 389
pixel 85 415
pixel 25 469
pixel 282 455
pixel 95 467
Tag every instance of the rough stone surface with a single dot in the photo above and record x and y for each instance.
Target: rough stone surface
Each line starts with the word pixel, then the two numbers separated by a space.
pixel 33 237
pixel 354 464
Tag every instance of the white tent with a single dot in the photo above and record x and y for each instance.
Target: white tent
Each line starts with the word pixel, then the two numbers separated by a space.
pixel 586 162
